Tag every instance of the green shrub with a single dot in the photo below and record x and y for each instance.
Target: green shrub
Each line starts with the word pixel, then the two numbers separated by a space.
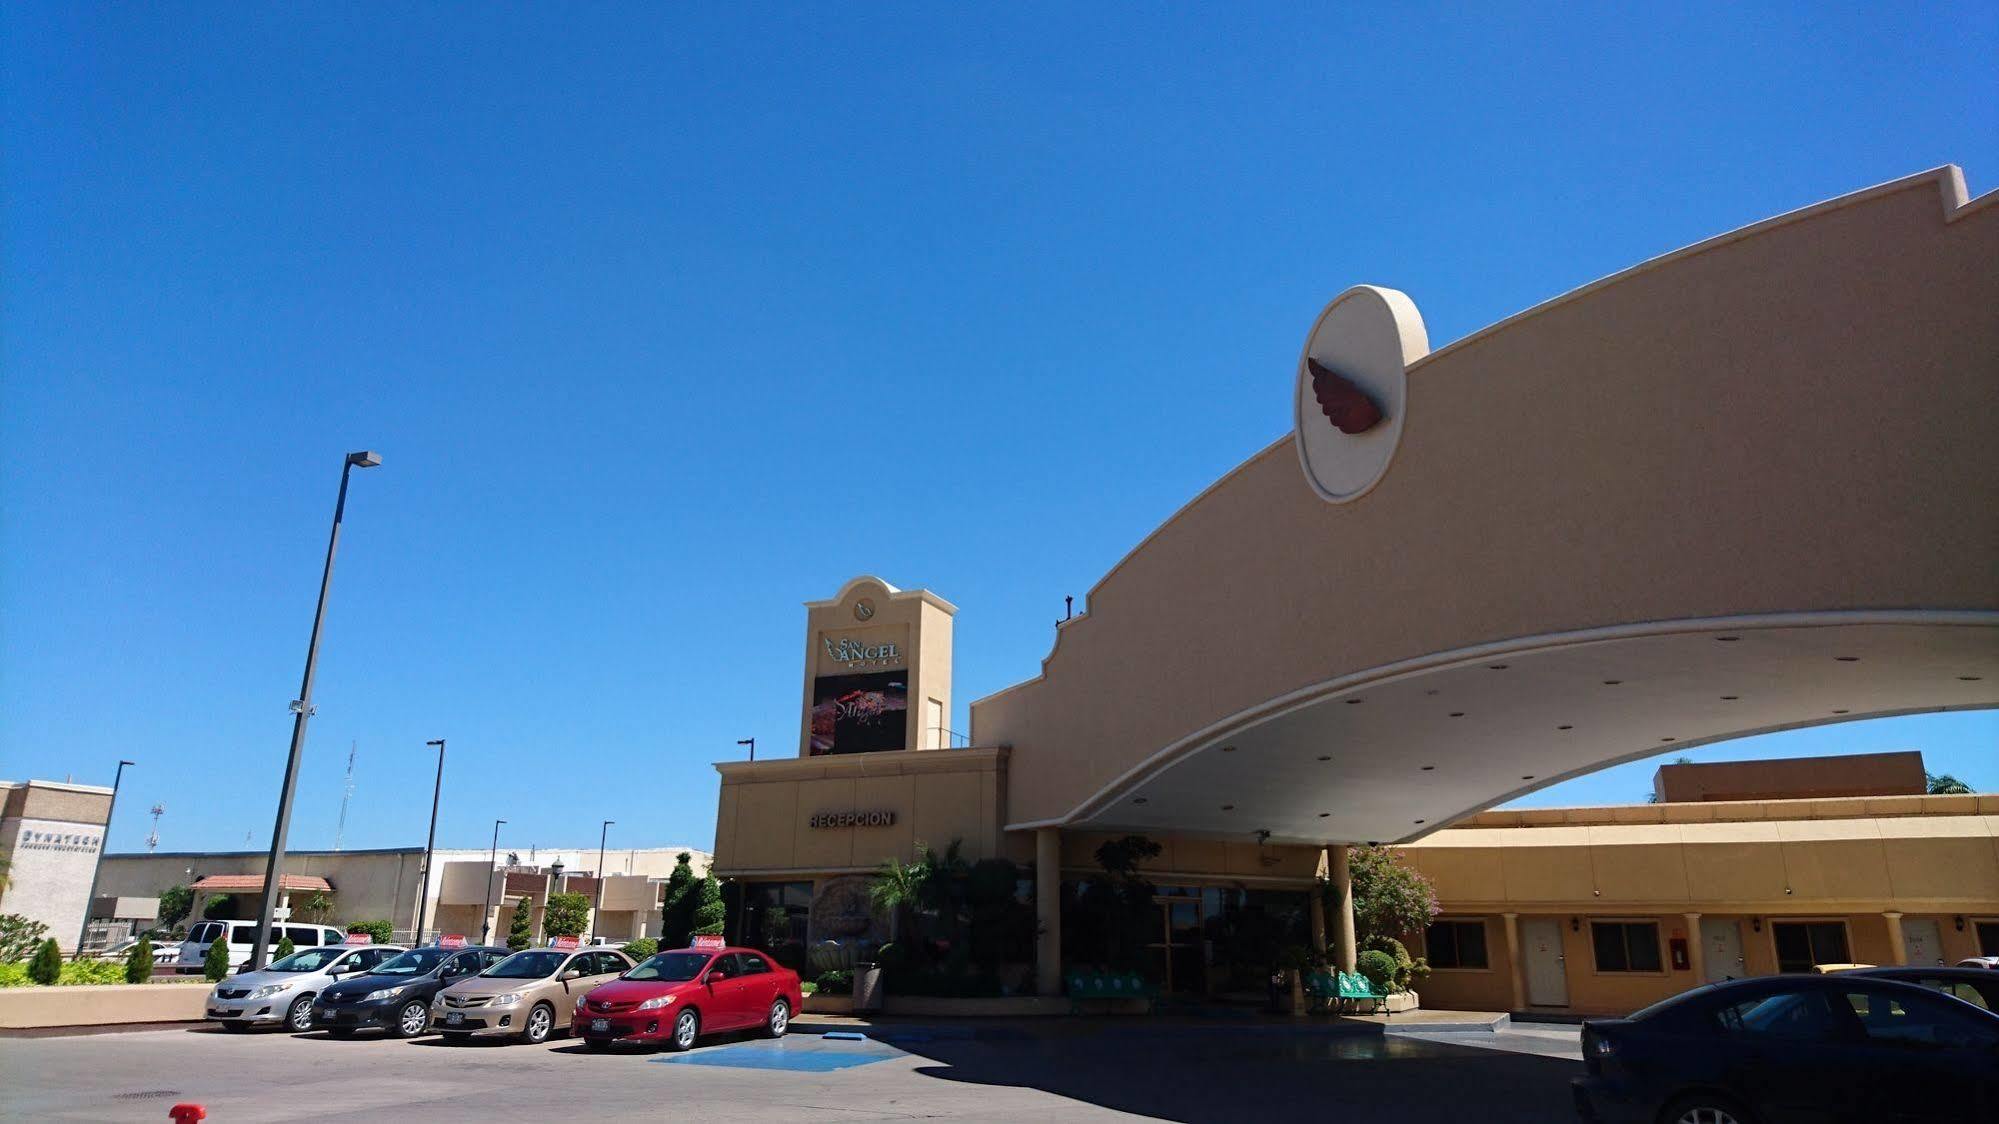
pixel 808 988
pixel 175 904
pixel 1409 971
pixel 380 931
pixel 284 948
pixel 565 915
pixel 839 980
pixel 46 967
pixel 73 972
pixel 520 931
pixel 1378 967
pixel 641 948
pixel 676 915
pixel 216 966
pixel 139 961
pixel 19 937
pixel 709 915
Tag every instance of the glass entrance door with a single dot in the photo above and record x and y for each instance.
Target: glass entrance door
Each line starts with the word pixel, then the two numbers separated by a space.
pixel 1178 964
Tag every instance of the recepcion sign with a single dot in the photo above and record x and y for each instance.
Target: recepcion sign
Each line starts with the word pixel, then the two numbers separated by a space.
pixel 880 817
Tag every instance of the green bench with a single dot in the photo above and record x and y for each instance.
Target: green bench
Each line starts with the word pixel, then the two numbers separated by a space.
pixel 1336 988
pixel 1085 986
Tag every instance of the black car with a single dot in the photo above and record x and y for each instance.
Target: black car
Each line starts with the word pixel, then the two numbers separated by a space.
pixel 1975 986
pixel 396 996
pixel 1793 1048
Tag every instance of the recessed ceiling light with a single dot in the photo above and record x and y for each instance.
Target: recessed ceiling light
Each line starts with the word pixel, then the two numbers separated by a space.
pixel 1847 659
pixel 1433 691
pixel 1325 757
pixel 1355 702
pixel 1457 714
pixel 1427 768
pixel 1728 639
pixel 1419 821
pixel 1228 749
pixel 1228 807
pixel 1528 777
pixel 1839 712
pixel 1323 815
pixel 1565 727
pixel 1730 698
pixel 1496 666
pixel 1968 678
pixel 1612 682
pixel 1669 739
pixel 1139 799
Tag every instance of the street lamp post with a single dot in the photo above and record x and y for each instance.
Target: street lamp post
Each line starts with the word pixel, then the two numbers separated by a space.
pixel 752 743
pixel 430 844
pixel 597 910
pixel 98 868
pixel 301 711
pixel 493 860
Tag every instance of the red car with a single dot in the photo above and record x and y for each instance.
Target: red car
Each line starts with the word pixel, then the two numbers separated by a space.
pixel 677 996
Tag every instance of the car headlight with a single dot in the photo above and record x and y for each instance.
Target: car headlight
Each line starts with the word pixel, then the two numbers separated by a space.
pixel 384 993
pixel 268 990
pixel 507 1000
pixel 655 1003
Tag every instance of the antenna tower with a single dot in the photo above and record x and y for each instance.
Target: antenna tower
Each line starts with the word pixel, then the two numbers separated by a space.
pixel 153 840
pixel 346 794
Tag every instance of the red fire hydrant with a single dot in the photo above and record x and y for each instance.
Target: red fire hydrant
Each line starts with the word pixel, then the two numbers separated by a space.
pixel 187 1113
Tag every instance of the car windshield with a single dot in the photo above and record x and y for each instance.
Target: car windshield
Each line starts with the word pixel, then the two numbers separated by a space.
pixel 415 962
pixel 673 967
pixel 527 965
pixel 310 960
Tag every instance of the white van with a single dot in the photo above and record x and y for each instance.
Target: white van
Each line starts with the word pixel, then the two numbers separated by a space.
pixel 242 935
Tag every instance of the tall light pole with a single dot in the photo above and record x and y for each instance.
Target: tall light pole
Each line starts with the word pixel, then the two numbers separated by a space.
pixel 98 867
pixel 493 860
pixel 301 711
pixel 430 844
pixel 597 911
pixel 752 743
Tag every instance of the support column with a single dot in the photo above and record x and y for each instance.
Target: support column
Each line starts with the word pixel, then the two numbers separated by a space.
pixel 1898 947
pixel 1342 879
pixel 1048 911
pixel 1319 918
pixel 1513 960
pixel 1696 952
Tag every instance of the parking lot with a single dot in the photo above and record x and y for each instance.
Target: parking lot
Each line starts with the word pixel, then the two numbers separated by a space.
pixel 1044 1070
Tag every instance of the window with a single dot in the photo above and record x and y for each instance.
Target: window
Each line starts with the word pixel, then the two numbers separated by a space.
pixel 1916 1022
pixel 774 917
pixel 1796 1016
pixel 1801 944
pixel 1988 938
pixel 303 936
pixel 1456 944
pixel 1626 946
pixel 752 964
pixel 204 932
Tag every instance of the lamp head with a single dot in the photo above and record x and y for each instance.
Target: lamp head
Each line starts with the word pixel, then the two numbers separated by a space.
pixel 364 459
pixel 746 741
pixel 438 742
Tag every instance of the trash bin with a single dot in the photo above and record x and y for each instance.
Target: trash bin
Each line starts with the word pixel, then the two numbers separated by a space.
pixel 867 988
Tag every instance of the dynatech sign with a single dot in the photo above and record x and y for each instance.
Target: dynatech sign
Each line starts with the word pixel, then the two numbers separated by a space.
pixel 877 818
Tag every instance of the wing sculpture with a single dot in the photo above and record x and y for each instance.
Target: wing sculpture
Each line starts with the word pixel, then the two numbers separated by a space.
pixel 1345 405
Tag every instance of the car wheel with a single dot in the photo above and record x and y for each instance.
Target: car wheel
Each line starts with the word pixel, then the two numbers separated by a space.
pixel 686 1028
pixel 1705 1109
pixel 779 1019
pixel 411 1020
pixel 299 1018
pixel 541 1021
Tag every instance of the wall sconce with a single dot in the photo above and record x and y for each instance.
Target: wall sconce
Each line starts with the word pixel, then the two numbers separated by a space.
pixel 1756 924
pixel 1959 922
pixel 1575 924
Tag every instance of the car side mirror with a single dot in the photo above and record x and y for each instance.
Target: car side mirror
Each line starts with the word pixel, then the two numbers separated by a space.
pixel 573 974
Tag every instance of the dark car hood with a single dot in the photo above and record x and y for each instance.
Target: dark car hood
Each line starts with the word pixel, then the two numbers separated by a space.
pixel 354 987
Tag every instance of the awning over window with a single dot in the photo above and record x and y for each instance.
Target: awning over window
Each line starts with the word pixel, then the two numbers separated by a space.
pixel 254 883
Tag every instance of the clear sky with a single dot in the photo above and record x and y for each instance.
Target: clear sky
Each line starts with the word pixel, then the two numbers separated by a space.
pixel 665 320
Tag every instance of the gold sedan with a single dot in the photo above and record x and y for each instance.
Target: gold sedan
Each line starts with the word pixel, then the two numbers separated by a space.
pixel 529 995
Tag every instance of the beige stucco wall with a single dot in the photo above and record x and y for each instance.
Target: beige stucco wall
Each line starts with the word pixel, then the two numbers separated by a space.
pixel 1859 774
pixel 1803 410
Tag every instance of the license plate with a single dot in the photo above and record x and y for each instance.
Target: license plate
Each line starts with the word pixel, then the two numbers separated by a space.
pixel 600 1025
pixel 454 1018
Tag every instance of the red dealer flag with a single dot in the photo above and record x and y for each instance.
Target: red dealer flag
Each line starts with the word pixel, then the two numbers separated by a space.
pixel 709 940
pixel 360 938
pixel 564 943
pixel 451 940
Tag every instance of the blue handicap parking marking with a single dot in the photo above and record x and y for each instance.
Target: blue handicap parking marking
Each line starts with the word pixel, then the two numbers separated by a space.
pixel 797 1053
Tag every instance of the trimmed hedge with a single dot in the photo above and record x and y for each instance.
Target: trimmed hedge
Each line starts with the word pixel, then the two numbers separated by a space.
pixel 641 948
pixel 74 972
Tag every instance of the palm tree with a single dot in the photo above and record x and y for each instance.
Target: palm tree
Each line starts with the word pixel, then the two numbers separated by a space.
pixel 897 886
pixel 1943 784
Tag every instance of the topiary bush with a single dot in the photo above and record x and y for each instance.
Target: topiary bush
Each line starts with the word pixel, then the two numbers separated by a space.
pixel 284 948
pixel 709 914
pixel 641 948
pixel 380 931
pixel 1409 971
pixel 216 966
pixel 1378 967
pixel 46 967
pixel 139 961
pixel 520 931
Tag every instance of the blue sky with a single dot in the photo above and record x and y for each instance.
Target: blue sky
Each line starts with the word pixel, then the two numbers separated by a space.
pixel 667 320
